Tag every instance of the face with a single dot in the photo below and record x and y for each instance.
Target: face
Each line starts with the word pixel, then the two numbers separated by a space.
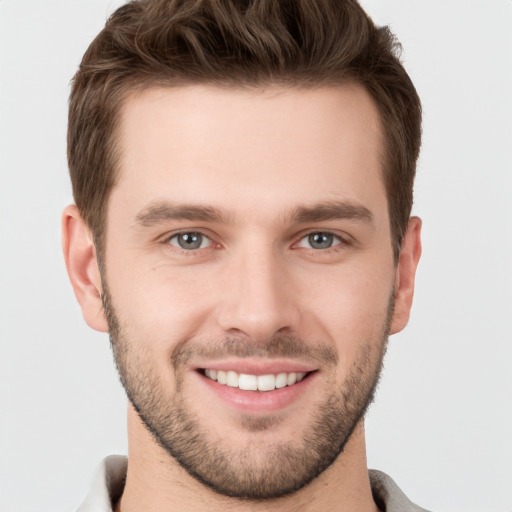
pixel 248 277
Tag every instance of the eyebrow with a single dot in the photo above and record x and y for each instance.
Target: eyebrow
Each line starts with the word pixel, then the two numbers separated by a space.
pixel 163 211
pixel 159 212
pixel 332 210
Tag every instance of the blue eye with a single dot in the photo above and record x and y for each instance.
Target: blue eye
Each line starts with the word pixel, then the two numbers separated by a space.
pixel 320 241
pixel 190 241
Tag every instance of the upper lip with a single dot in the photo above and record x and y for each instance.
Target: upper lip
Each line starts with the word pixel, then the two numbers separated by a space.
pixel 257 367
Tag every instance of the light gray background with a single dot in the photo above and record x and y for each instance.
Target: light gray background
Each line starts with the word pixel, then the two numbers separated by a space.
pixel 442 424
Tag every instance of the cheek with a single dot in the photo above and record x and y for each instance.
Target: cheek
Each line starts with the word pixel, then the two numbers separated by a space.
pixel 159 306
pixel 351 309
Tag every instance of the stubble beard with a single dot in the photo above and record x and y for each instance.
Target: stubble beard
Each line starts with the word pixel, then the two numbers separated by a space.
pixel 259 471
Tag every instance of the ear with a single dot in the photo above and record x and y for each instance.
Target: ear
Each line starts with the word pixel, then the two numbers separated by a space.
pixel 82 266
pixel 405 274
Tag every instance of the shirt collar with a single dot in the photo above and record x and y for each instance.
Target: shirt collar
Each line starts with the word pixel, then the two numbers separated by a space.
pixel 109 479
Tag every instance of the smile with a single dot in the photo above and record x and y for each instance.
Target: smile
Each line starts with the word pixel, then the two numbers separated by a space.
pixel 247 382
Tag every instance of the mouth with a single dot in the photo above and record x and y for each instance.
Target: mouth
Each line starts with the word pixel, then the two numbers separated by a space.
pixel 251 382
pixel 256 387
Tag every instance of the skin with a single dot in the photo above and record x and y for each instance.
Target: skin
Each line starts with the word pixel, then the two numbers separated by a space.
pixel 256 157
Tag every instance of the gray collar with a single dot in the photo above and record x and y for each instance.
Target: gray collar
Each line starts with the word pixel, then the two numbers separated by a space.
pixel 108 483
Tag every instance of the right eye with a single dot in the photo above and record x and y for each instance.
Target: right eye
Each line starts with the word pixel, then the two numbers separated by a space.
pixel 190 241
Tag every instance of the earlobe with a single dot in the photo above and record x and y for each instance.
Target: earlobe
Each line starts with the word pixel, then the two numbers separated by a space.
pixel 82 267
pixel 406 271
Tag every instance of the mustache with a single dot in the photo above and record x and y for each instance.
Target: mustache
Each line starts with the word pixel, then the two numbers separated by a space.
pixel 289 347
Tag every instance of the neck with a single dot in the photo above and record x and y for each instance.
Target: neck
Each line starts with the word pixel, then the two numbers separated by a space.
pixel 156 482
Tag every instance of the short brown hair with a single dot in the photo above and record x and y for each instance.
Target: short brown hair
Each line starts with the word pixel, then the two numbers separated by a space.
pixel 300 43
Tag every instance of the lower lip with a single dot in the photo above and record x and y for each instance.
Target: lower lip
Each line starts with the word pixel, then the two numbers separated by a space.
pixel 258 401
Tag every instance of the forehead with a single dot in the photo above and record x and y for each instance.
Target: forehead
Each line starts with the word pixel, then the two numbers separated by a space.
pixel 249 148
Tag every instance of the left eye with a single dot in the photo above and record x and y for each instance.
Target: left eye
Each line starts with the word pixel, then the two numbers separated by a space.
pixel 190 241
pixel 320 240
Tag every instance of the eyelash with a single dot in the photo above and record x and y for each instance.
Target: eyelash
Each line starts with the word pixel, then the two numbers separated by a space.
pixel 339 242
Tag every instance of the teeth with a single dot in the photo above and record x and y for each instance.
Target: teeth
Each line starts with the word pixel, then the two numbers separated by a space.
pixel 254 382
pixel 281 380
pixel 266 382
pixel 248 382
pixel 221 377
pixel 232 379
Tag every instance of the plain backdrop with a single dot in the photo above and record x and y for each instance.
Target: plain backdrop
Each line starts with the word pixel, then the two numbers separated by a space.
pixel 442 422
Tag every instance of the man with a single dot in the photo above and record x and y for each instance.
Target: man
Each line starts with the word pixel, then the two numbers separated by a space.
pixel 243 178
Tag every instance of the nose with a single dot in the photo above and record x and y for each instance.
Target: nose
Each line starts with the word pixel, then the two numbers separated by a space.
pixel 258 300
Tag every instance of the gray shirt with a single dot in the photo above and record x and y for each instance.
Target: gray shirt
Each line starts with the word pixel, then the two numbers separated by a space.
pixel 108 483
